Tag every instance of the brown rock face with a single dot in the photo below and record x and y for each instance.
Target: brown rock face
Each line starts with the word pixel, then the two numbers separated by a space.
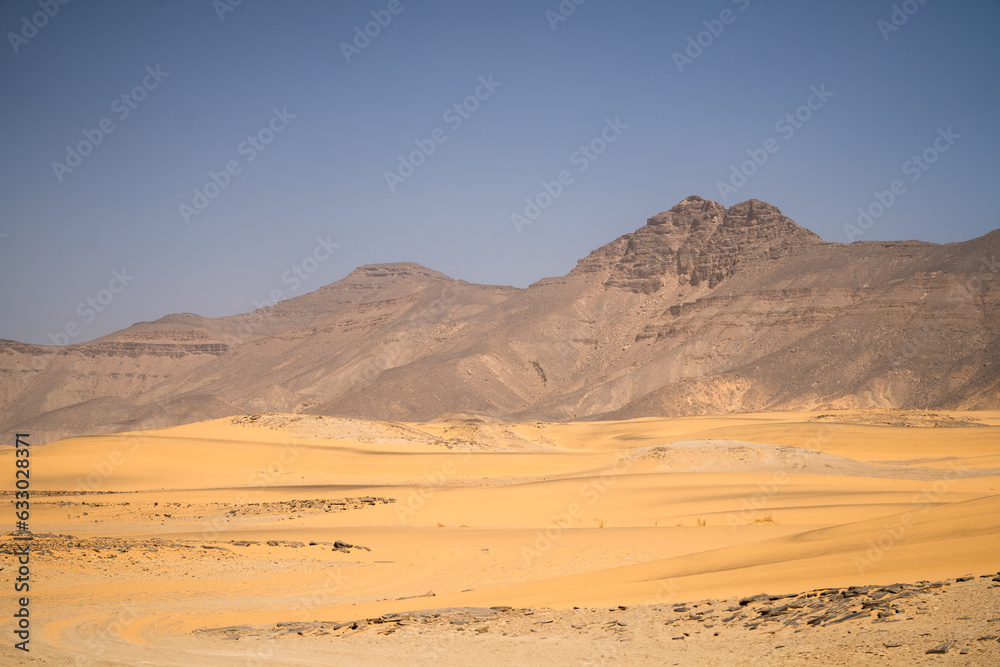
pixel 697 241
pixel 701 310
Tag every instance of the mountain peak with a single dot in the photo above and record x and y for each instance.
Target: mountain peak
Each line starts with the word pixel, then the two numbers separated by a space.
pixel 687 212
pixel 696 241
pixel 754 212
pixel 396 270
pixel 740 310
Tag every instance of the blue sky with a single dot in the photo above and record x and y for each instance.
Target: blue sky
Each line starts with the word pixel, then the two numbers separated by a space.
pixel 205 89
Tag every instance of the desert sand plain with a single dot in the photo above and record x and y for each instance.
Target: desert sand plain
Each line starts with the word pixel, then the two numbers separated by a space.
pixel 306 540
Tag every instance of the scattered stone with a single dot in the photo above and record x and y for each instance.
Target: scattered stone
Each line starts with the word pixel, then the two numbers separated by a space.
pixel 227 629
pixel 756 598
pixel 803 613
pixel 855 591
pixel 772 598
pixel 775 611
pixel 849 617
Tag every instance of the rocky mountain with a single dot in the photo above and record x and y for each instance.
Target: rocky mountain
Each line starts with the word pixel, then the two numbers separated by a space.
pixel 704 309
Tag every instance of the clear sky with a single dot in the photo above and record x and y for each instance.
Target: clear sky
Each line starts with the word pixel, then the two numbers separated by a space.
pixel 116 116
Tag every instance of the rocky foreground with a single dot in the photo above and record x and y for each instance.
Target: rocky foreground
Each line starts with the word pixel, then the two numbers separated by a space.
pixel 662 541
pixel 911 623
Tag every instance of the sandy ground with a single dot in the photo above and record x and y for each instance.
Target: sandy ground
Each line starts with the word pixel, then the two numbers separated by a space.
pixel 285 539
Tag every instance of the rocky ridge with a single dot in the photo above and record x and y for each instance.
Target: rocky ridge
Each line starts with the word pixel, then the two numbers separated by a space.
pixel 704 309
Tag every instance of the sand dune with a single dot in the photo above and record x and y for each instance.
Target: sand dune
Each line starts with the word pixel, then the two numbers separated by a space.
pixel 236 521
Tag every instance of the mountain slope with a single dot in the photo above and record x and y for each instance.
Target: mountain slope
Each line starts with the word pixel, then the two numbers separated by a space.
pixel 703 309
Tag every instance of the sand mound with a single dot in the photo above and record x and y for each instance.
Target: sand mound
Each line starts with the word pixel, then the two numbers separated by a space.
pixel 739 456
pixel 906 418
pixel 463 435
pixel 477 434
pixel 337 428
